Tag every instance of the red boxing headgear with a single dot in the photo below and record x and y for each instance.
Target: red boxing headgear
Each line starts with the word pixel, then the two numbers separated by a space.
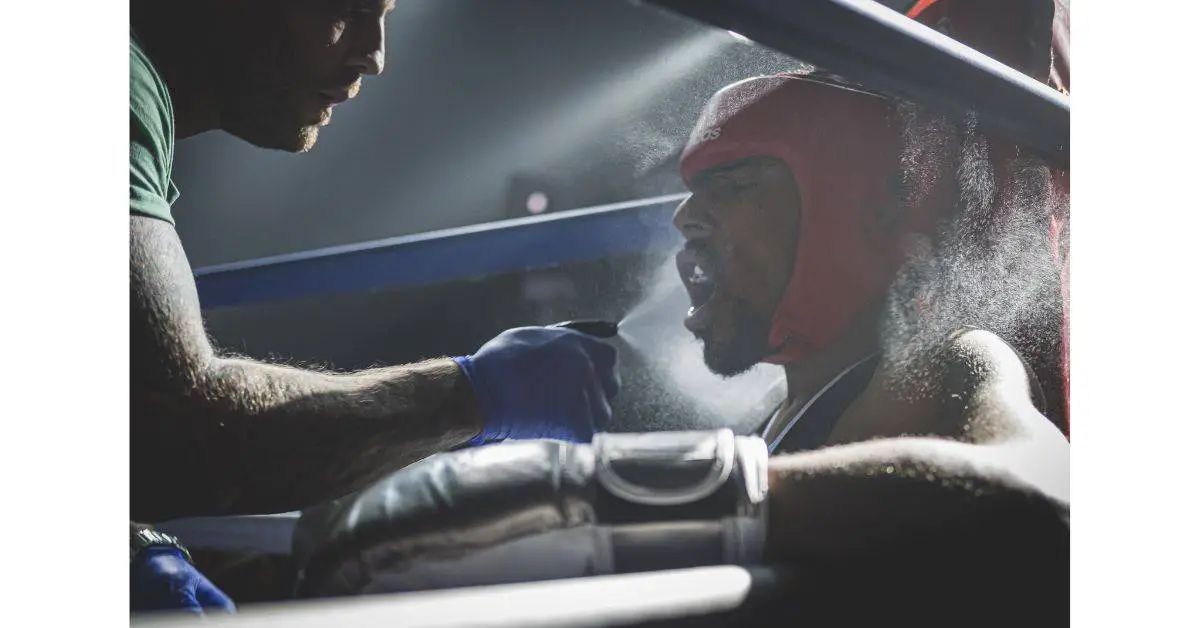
pixel 843 148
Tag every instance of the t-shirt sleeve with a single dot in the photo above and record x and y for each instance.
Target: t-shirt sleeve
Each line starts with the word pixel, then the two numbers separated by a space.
pixel 151 139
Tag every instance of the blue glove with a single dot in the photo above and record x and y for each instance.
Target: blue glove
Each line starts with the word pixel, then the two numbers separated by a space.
pixel 542 382
pixel 161 579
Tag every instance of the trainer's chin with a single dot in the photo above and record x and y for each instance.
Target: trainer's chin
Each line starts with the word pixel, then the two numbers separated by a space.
pixel 299 139
pixel 307 138
pixel 305 126
pixel 295 138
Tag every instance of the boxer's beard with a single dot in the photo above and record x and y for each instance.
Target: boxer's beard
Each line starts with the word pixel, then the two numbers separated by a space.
pixel 745 346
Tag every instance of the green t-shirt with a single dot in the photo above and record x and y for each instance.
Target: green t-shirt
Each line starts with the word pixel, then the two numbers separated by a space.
pixel 151 139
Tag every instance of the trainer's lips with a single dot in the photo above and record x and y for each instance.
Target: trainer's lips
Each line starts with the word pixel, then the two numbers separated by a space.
pixel 337 96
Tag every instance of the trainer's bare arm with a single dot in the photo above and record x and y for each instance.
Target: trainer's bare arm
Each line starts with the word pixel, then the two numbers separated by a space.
pixel 994 478
pixel 215 435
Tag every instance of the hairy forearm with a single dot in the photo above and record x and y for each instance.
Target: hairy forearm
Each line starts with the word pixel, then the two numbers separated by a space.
pixel 251 437
pixel 214 435
pixel 891 496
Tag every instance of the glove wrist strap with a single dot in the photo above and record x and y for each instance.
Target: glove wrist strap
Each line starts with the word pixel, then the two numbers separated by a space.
pixel 145 538
pixel 664 476
pixel 673 497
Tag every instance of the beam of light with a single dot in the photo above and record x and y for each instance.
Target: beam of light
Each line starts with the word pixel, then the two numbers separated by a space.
pixel 589 112
pixel 583 115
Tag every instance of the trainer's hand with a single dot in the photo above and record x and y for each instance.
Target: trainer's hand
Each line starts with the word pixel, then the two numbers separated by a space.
pixel 542 382
pixel 161 579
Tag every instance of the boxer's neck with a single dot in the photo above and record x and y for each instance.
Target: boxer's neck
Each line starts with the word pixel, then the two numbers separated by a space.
pixel 806 378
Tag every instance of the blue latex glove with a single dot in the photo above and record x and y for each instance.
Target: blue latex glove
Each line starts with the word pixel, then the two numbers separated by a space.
pixel 543 382
pixel 161 579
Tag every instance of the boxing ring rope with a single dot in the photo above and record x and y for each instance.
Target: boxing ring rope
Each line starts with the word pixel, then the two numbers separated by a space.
pixel 580 235
pixel 623 599
pixel 877 46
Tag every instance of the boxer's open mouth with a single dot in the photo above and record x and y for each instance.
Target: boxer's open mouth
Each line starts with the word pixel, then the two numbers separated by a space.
pixel 700 284
pixel 700 272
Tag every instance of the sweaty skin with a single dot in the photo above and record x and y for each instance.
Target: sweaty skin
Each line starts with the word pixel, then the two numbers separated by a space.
pixel 740 224
pixel 741 227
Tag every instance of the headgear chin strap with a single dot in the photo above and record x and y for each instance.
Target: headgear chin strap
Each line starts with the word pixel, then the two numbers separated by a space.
pixel 842 146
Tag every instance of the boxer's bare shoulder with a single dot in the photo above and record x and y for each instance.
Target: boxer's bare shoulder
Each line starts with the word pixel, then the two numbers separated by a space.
pixel 988 393
pixel 974 388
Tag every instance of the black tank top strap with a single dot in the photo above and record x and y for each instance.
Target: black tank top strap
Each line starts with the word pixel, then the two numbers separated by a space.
pixel 814 424
pixel 812 428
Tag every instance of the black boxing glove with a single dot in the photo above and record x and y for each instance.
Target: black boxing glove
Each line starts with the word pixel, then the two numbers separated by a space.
pixel 538 510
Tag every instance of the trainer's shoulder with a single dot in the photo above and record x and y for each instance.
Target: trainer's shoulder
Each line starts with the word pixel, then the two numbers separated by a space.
pixel 151 138
pixel 149 99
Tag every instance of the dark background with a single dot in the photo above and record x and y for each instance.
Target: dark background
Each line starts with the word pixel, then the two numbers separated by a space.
pixel 481 101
